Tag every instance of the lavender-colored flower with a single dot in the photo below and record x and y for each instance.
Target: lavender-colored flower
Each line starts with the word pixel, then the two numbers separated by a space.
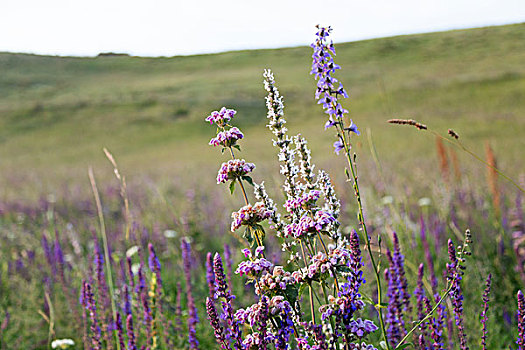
pixel 329 89
pixel 353 128
pixel 435 324
pixel 154 265
pixel 222 291
pixel 120 332
pixel 486 300
pixel 96 335
pixel 456 295
pixel 193 318
pixel 210 276
pixel 215 324
pixel 132 345
pixel 361 328
pixel 250 215
pixel 227 138
pixel 228 261
pixel 233 170
pixel 127 301
pixel 521 321
pixel 130 272
pixel 338 146
pixel 222 117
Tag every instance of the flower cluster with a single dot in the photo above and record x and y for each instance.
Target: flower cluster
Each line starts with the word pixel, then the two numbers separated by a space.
pixel 250 215
pixel 306 201
pixel 222 117
pixel 329 89
pixel 308 225
pixel 227 138
pixel 234 169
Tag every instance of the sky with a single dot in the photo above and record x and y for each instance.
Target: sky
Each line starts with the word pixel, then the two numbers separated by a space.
pixel 176 27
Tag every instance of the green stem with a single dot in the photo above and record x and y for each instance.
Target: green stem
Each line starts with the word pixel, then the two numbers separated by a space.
pixel 106 250
pixel 346 145
pixel 427 316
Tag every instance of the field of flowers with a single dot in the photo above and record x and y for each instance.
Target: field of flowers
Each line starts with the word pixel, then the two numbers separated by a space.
pixel 307 259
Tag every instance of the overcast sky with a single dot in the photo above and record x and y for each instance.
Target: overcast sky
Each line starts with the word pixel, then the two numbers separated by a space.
pixel 176 27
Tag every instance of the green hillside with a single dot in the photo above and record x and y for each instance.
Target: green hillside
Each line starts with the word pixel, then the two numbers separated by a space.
pixel 57 113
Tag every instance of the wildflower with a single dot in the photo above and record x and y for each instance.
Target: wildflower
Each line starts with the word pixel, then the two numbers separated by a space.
pixel 484 312
pixel 338 146
pixel 456 296
pixel 250 215
pixel 215 324
pixel 62 343
pixel 222 117
pixel 193 318
pixel 353 128
pixel 234 169
pixel 521 321
pixel 227 138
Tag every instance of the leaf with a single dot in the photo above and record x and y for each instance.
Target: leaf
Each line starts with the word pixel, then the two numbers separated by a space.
pixel 223 149
pixel 248 179
pixel 404 346
pixel 232 186
pixel 247 235
pixel 237 147
pixel 347 173
pixel 291 293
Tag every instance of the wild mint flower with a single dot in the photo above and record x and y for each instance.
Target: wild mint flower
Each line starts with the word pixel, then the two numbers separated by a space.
pixel 222 117
pixel 250 215
pixel 233 170
pixel 275 217
pixel 305 161
pixel 306 201
pixel 227 138
pixel 308 226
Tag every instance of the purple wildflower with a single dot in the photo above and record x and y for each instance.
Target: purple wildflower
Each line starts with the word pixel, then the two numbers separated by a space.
pixel 222 291
pixel 456 296
pixel 154 265
pixel 193 318
pixel 484 312
pixel 353 128
pixel 329 89
pixel 338 146
pixel 521 321
pixel 132 345
pixel 229 262
pixel 227 138
pixel 215 324
pixel 120 332
pixel 233 170
pixel 222 117
pixel 96 335
pixel 250 215
pixel 210 276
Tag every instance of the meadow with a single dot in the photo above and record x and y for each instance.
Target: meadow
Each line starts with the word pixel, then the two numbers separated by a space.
pixel 141 249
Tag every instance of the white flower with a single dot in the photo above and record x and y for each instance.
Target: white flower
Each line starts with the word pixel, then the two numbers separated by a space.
pixel 132 251
pixel 170 234
pixel 424 202
pixel 62 343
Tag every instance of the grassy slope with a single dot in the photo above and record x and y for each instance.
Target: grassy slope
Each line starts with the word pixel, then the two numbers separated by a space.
pixel 57 113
